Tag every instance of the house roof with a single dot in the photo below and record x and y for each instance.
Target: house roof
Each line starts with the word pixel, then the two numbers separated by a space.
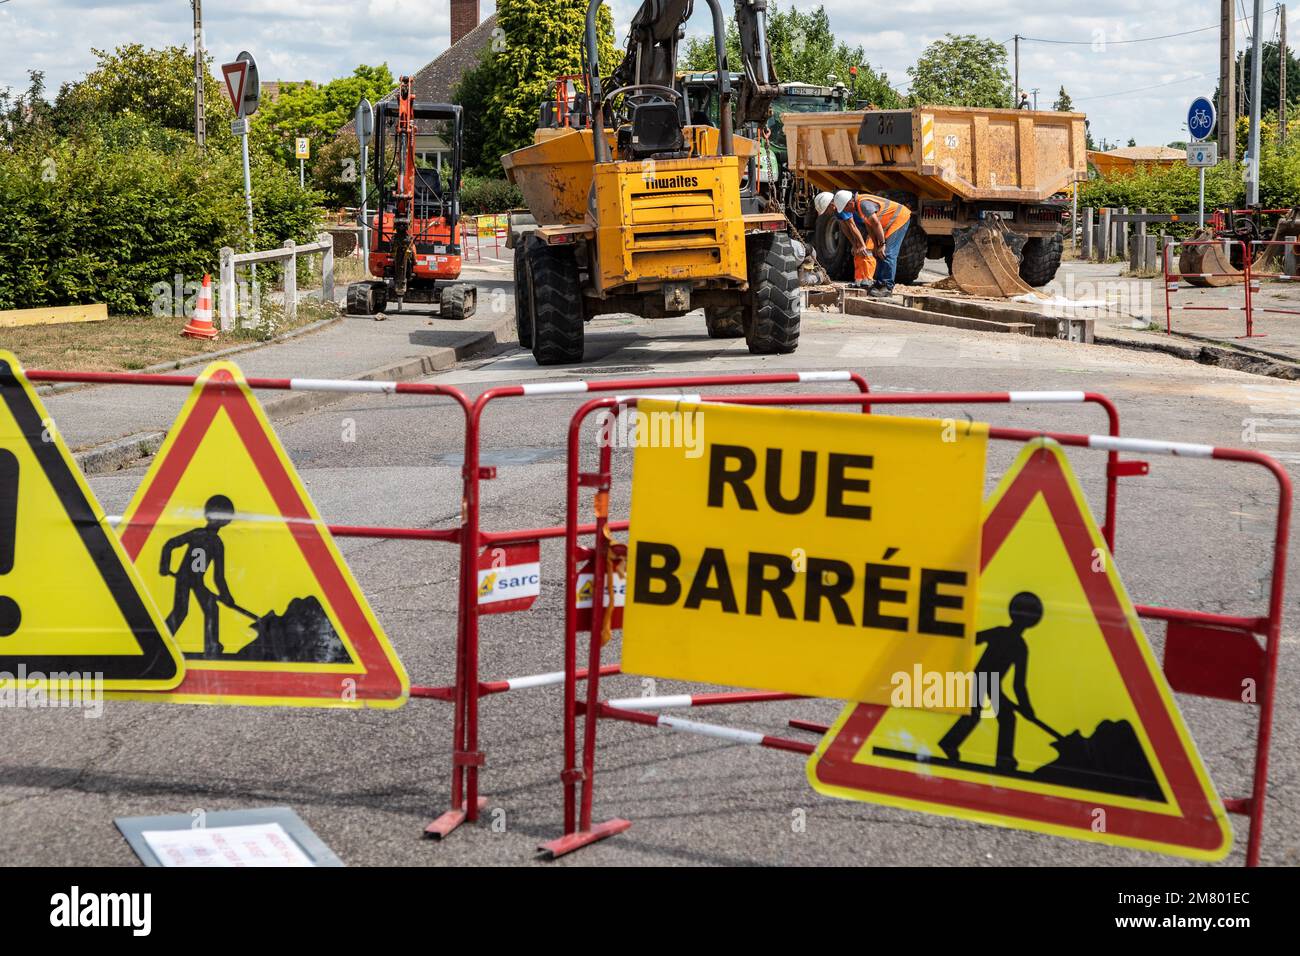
pixel 1147 154
pixel 437 79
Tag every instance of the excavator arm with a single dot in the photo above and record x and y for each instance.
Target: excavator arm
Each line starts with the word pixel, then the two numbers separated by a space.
pixel 403 245
pixel 658 27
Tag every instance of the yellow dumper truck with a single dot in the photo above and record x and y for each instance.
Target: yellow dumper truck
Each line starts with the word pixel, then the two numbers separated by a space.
pixel 957 168
pixel 637 206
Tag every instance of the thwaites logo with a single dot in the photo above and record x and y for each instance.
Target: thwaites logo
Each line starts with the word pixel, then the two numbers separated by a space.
pixel 672 182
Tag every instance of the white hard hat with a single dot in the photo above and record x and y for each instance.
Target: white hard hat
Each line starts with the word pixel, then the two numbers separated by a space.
pixel 821 202
pixel 842 199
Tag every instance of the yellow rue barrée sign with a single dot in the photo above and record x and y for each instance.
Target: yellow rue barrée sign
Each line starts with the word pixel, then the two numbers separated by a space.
pixel 817 553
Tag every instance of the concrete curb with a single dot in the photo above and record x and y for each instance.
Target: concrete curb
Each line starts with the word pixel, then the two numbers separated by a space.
pixel 1251 363
pixel 127 452
pixel 203 359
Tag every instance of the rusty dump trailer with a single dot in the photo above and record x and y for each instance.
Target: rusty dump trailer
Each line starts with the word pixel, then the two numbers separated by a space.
pixel 954 167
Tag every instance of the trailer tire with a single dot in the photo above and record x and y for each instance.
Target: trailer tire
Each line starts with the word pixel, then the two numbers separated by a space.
pixel 832 247
pixel 1040 259
pixel 772 302
pixel 725 322
pixel 911 254
pixel 554 304
pixel 523 317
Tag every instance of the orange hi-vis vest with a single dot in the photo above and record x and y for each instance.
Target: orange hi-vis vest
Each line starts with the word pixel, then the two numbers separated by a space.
pixel 893 215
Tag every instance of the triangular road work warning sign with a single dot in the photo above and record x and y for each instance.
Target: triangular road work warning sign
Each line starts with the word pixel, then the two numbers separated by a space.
pixel 236 556
pixel 72 609
pixel 1072 729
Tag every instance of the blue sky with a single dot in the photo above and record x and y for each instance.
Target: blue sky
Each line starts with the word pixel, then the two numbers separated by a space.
pixel 321 39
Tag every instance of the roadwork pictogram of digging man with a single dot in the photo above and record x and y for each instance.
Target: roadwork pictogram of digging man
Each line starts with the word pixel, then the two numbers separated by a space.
pixel 203 549
pixel 1006 650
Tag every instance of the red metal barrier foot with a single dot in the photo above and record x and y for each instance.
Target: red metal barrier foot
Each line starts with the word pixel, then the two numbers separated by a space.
pixel 450 820
pixel 576 841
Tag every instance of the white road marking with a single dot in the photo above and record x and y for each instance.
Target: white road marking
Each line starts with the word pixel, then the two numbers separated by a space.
pixel 873 346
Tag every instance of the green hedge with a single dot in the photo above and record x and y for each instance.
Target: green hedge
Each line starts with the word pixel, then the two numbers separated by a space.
pixel 104 216
pixel 480 195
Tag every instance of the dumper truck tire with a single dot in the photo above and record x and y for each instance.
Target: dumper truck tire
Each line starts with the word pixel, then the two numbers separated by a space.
pixel 523 317
pixel 772 302
pixel 832 247
pixel 1040 259
pixel 725 323
pixel 554 303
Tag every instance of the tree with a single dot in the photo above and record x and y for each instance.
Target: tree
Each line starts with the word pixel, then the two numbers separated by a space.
pixel 157 85
pixel 961 70
pixel 1063 102
pixel 539 40
pixel 473 93
pixel 804 50
pixel 316 111
pixel 1131 142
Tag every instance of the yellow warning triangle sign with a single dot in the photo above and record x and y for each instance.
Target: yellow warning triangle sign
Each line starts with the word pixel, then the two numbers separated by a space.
pixel 1071 727
pixel 235 554
pixel 72 609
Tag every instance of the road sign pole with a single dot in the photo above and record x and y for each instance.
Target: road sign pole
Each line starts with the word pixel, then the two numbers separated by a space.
pixel 1200 206
pixel 365 213
pixel 248 200
pixel 301 181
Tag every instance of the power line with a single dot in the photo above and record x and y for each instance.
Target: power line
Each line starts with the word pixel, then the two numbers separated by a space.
pixel 1166 36
pixel 1155 86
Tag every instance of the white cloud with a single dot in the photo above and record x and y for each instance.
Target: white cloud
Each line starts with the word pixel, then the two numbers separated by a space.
pixel 322 39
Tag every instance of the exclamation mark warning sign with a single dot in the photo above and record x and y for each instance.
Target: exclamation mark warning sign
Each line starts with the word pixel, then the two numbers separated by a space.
pixel 70 600
pixel 11 614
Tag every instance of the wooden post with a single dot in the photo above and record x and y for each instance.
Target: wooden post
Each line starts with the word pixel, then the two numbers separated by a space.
pixel 1150 255
pixel 1142 240
pixel 1088 226
pixel 227 303
pixel 291 282
pixel 327 268
pixel 1104 250
pixel 1121 235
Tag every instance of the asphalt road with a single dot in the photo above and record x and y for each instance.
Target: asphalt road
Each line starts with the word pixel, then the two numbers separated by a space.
pixel 1192 534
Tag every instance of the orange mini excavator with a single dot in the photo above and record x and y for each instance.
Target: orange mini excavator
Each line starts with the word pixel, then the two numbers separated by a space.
pixel 415 230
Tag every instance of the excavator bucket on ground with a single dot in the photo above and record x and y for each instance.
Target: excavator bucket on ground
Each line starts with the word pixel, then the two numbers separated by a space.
pixel 1208 264
pixel 1273 258
pixel 986 260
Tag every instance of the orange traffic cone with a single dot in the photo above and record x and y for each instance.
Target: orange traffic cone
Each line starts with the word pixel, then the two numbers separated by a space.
pixel 200 325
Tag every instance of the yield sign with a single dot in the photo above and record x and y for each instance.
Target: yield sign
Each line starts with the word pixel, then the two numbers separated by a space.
pixel 236 75
pixel 1071 728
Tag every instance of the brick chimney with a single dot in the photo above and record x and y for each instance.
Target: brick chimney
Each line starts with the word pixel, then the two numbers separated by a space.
pixel 464 17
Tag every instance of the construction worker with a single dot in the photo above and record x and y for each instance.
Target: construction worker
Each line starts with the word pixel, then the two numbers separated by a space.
pixel 864 217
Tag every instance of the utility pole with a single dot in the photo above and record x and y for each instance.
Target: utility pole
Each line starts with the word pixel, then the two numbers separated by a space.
pixel 1256 79
pixel 1243 106
pixel 200 69
pixel 1227 81
pixel 1015 93
pixel 1035 92
pixel 1283 59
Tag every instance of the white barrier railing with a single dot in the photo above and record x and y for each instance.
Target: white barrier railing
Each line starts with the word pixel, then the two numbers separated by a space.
pixel 227 298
